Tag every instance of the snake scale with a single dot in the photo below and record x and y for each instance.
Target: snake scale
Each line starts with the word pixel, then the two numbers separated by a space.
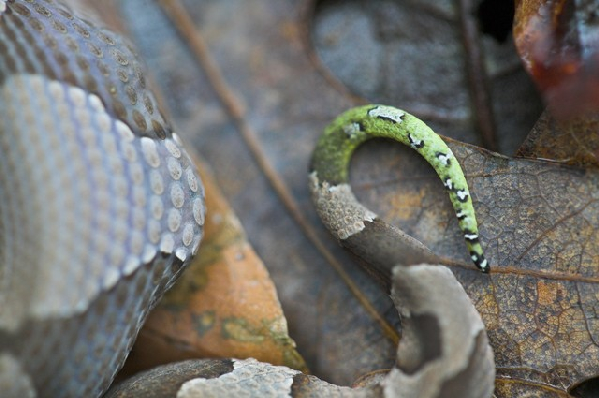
pixel 101 207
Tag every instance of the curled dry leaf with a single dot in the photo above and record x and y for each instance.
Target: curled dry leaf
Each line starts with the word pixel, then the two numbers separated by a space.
pixel 559 44
pixel 444 353
pixel 340 211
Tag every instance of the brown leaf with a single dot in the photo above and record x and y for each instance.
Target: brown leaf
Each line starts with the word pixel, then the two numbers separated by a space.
pixel 573 141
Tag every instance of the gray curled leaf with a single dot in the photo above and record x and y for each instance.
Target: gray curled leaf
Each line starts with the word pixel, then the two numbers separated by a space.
pixel 361 231
pixel 444 351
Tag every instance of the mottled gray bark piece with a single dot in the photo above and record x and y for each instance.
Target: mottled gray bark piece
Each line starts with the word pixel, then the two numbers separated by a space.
pixel 249 378
pixel 444 351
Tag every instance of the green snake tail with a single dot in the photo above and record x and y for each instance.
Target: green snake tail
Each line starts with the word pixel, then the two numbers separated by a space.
pixel 332 155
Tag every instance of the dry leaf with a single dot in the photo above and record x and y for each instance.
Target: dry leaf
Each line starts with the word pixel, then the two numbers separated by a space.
pixel 573 141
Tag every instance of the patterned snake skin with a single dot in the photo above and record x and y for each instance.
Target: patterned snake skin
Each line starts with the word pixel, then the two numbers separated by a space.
pixel 100 206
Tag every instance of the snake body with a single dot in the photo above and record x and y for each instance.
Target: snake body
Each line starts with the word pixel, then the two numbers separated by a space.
pixel 329 180
pixel 100 205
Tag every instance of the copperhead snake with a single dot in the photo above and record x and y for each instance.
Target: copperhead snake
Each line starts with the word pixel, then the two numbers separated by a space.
pixel 101 206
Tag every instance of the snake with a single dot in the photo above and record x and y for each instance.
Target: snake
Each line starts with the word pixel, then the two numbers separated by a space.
pixel 329 181
pixel 101 206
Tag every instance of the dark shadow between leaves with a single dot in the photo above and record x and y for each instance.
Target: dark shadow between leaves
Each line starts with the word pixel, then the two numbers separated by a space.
pixel 587 389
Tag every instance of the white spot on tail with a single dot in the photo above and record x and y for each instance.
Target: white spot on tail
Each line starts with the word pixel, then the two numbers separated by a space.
pixel 416 144
pixel 351 129
pixel 445 157
pixel 462 195
pixel 387 112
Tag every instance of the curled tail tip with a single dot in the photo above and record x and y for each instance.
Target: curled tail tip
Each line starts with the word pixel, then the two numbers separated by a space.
pixel 480 261
pixel 485 267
